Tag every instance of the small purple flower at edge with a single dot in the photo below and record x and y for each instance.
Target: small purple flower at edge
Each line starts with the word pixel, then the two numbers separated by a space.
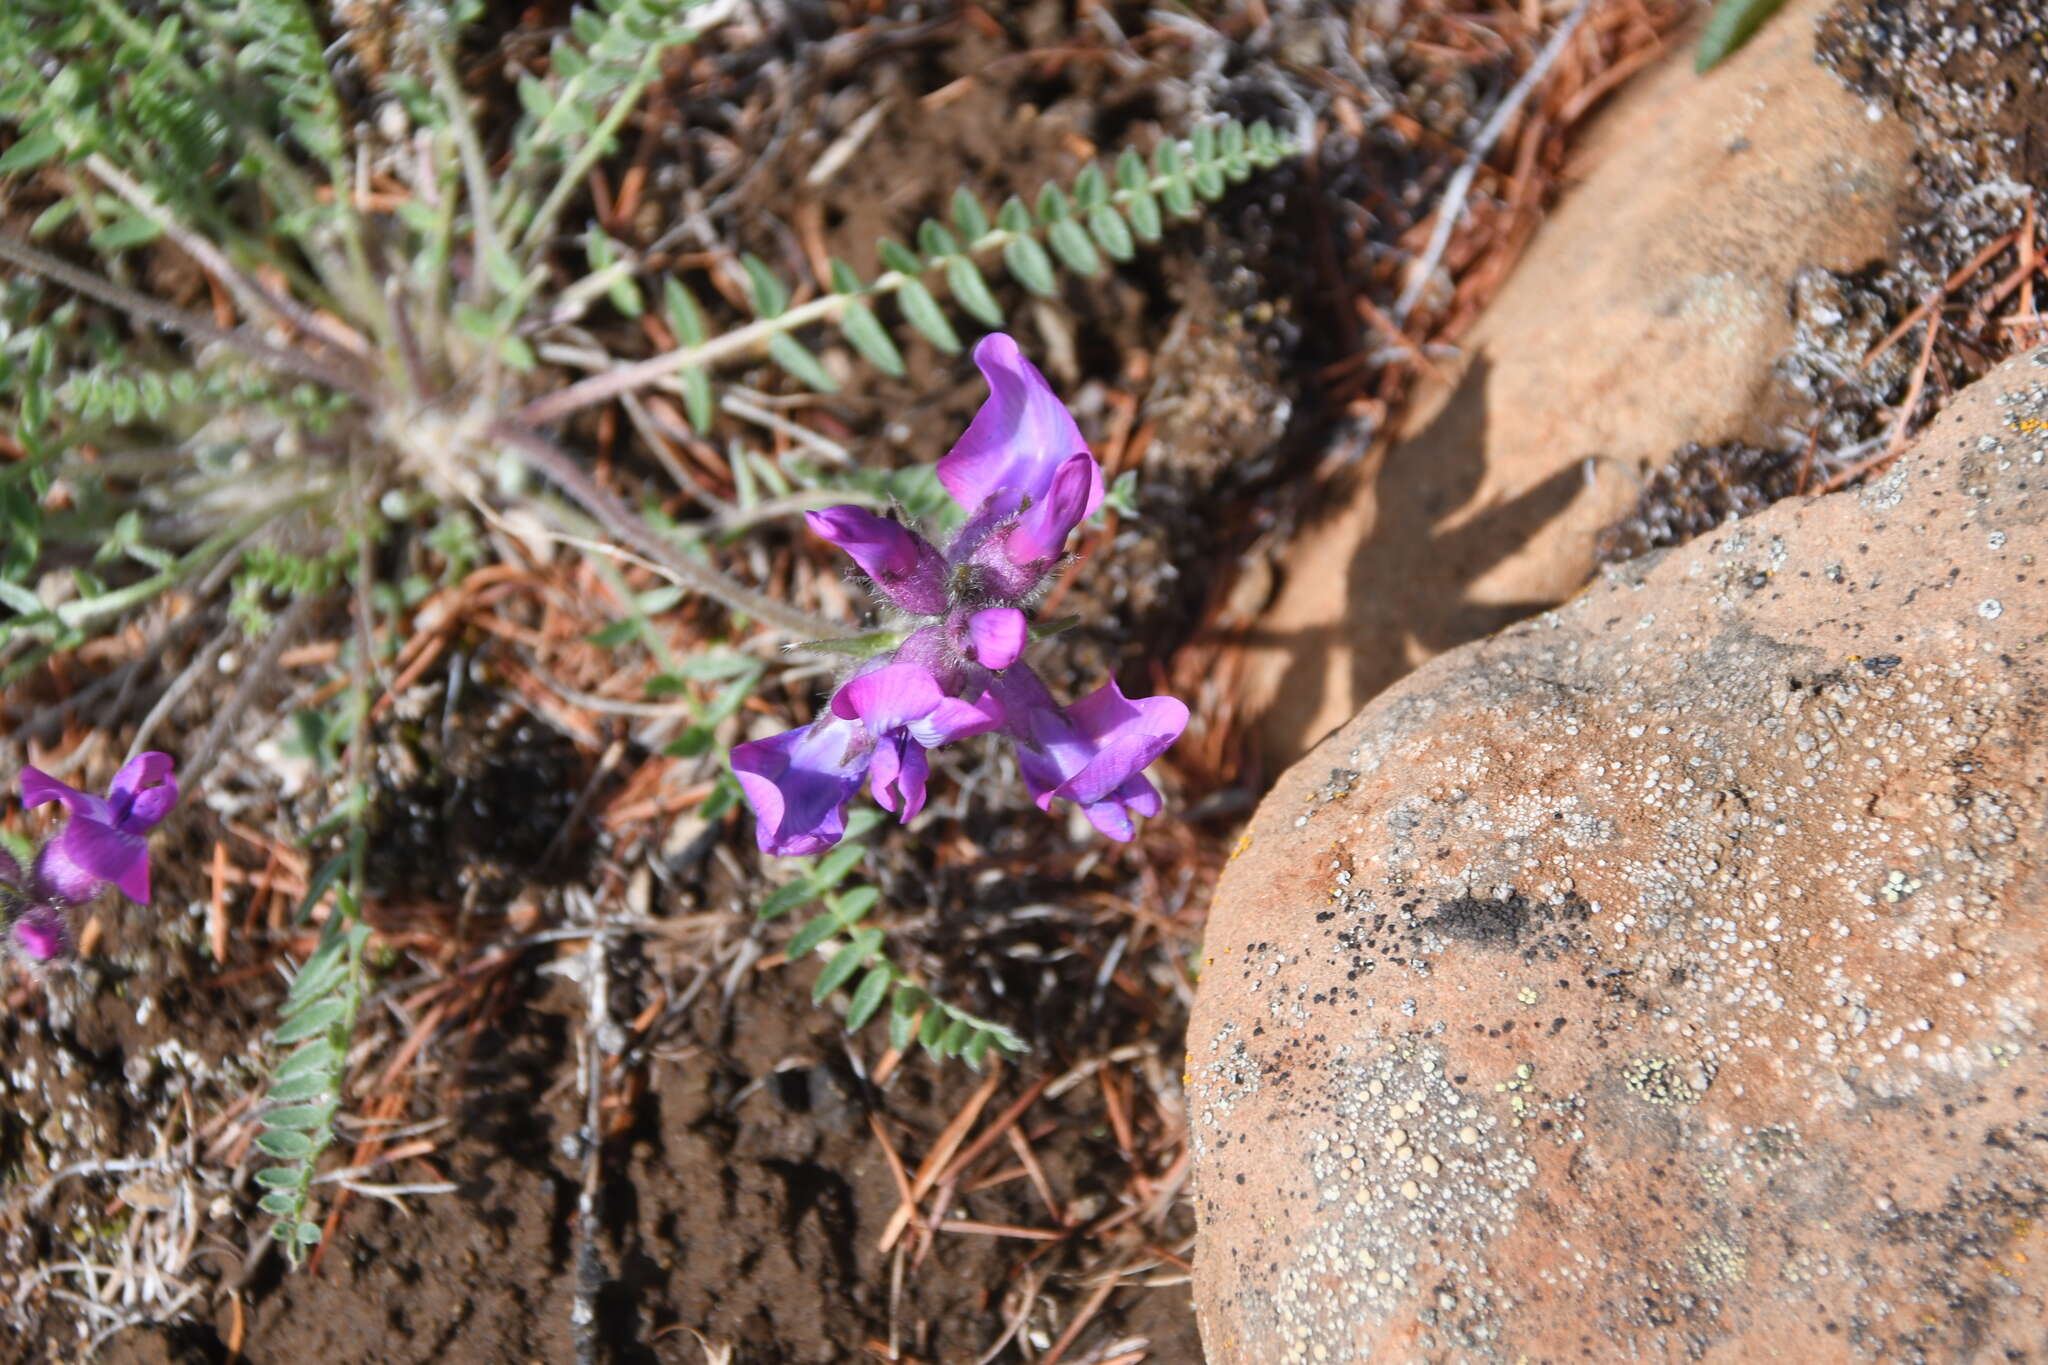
pixel 104 839
pixel 1026 480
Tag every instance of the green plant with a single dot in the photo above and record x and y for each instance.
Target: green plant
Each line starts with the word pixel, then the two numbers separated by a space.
pixel 315 1023
pixel 1101 214
pixel 1733 23
pixel 857 959
pixel 374 367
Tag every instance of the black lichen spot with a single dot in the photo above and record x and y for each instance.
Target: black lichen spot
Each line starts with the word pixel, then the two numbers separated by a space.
pixel 1494 923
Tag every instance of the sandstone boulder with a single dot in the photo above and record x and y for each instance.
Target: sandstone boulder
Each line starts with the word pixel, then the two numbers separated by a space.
pixel 1648 312
pixel 1667 976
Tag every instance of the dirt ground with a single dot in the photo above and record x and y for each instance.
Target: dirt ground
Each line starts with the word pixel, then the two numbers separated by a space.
pixel 744 1183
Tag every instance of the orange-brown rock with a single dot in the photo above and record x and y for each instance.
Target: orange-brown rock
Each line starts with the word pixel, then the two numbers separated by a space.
pixel 1648 312
pixel 1667 976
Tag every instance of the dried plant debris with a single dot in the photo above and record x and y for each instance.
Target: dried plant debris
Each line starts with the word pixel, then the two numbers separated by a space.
pixel 1971 80
pixel 1839 358
pixel 1970 77
pixel 1702 487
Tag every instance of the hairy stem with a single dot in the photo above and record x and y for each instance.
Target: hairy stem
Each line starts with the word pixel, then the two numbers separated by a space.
pixel 352 380
pixel 475 171
pixel 555 464
pixel 593 147
pixel 253 297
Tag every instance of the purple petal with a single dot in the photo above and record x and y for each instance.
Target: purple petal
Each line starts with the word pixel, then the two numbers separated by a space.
pixel 889 698
pixel 1019 436
pixel 1139 795
pixel 998 636
pixel 101 852
pixel 151 807
pixel 1049 748
pixel 898 776
pixel 798 783
pixel 144 770
pixel 1042 774
pixel 1042 531
pixel 10 872
pixel 1093 752
pixel 1111 820
pixel 142 793
pixel 42 933
pixel 38 787
pixel 1125 736
pixel 59 878
pixel 955 719
pixel 82 856
pixel 903 564
pixel 1111 816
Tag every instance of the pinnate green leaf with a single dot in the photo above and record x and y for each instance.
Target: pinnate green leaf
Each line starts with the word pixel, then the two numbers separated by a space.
pixel 698 403
pixel 868 996
pixel 30 151
pixel 899 258
pixel 1143 208
pixel 970 290
pixel 314 1019
pixel 968 216
pixel 1107 226
pixel 921 310
pixel 285 1144
pixel 792 356
pixel 934 241
pixel 867 335
pixel 770 295
pixel 1014 216
pixel 844 963
pixel 1070 240
pixel 684 317
pixel 1029 265
pixel 1091 187
pixel 280 1202
pixel 844 279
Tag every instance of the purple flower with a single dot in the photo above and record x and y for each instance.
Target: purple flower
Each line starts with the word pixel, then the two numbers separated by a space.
pixel 1025 478
pixel 36 930
pixel 905 713
pixel 996 637
pixel 103 841
pixel 910 572
pixel 1092 753
pixel 799 782
pixel 1043 526
pixel 41 933
pixel 878 729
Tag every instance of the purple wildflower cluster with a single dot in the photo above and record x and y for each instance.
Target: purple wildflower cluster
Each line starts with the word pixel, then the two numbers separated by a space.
pixel 104 840
pixel 1025 479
